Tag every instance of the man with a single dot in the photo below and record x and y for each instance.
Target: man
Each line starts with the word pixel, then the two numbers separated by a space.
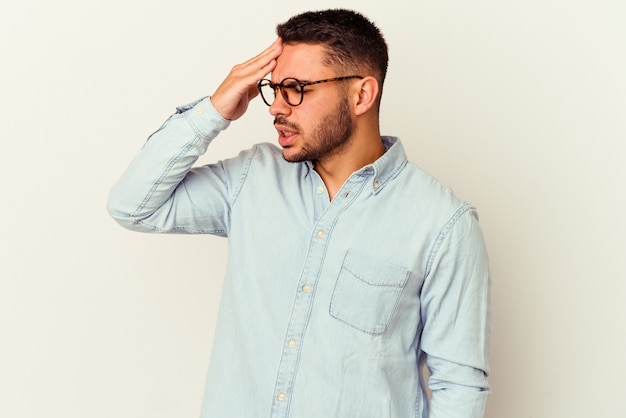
pixel 348 267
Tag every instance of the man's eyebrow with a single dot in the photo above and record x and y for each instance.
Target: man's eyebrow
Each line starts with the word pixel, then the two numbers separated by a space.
pixel 296 78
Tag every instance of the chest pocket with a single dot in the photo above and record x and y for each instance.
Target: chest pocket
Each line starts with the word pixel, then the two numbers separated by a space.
pixel 366 292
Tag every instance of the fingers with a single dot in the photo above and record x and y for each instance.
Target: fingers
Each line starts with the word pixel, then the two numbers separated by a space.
pixel 232 96
pixel 260 64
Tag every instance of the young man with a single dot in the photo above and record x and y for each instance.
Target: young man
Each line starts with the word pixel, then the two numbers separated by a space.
pixel 348 266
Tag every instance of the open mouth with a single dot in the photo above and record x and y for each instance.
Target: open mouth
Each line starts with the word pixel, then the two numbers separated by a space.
pixel 287 135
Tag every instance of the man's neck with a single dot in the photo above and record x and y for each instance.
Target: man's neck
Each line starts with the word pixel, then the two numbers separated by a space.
pixel 335 169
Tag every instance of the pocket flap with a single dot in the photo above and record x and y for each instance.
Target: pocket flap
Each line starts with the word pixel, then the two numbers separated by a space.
pixel 366 292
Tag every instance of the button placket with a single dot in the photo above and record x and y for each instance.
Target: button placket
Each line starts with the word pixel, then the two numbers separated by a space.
pixel 303 302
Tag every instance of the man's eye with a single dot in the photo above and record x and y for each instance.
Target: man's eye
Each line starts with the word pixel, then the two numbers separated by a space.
pixel 293 87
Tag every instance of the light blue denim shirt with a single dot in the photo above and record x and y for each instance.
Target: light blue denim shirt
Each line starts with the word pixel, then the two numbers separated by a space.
pixel 329 308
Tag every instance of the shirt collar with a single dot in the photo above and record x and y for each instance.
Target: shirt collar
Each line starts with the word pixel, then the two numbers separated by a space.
pixel 387 166
pixel 384 168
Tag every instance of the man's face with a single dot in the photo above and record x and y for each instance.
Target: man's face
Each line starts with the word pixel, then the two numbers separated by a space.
pixel 322 124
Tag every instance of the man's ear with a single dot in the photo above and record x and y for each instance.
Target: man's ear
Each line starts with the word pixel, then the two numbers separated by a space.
pixel 367 95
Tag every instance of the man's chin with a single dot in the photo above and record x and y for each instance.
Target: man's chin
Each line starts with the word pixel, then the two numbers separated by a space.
pixel 292 157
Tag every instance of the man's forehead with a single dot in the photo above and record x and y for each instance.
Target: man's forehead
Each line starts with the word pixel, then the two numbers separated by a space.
pixel 302 61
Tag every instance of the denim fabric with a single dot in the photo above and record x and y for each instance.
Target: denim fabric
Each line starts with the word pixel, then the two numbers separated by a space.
pixel 329 308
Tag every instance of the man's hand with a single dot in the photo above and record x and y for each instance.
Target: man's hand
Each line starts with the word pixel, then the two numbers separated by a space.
pixel 232 96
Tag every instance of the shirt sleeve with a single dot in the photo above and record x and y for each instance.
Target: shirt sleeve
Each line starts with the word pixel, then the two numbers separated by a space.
pixel 161 192
pixel 456 315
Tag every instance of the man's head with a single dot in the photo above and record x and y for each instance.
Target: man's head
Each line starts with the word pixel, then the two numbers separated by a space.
pixel 326 87
pixel 353 44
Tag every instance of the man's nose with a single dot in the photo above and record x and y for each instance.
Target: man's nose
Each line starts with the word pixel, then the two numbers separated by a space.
pixel 279 106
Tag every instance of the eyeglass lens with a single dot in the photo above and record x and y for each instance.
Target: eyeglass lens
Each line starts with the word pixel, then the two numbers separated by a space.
pixel 290 89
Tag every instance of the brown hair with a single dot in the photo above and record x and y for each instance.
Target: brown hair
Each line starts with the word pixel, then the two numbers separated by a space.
pixel 353 43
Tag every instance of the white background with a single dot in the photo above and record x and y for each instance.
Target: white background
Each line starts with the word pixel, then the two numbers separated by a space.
pixel 520 106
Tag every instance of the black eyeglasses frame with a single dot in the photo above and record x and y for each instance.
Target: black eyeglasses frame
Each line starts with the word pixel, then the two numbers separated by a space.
pixel 299 84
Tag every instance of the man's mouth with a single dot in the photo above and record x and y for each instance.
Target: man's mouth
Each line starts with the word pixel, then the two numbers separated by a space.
pixel 287 133
pixel 286 138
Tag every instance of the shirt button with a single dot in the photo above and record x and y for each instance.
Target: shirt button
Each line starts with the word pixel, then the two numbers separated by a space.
pixel 292 343
pixel 200 111
pixel 320 234
pixel 320 189
pixel 282 396
pixel 306 288
pixel 376 185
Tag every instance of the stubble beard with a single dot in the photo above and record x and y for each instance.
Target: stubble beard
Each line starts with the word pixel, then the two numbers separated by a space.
pixel 330 135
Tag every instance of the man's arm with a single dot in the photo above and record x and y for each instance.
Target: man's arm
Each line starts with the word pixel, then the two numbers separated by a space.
pixel 153 194
pixel 456 314
pixel 159 192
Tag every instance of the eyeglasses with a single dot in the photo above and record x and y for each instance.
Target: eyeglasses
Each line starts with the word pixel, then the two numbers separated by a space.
pixel 291 89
